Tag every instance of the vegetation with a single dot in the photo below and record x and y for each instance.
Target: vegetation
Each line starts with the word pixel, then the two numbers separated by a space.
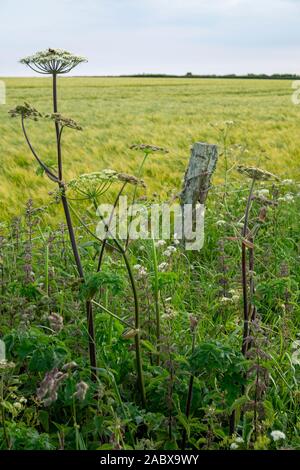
pixel 139 344
pixel 201 323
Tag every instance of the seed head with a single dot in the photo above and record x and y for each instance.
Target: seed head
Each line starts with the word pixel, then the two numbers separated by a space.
pixel 131 179
pixel 27 111
pixel 56 322
pixel 148 148
pixel 64 121
pixel 81 390
pixel 256 173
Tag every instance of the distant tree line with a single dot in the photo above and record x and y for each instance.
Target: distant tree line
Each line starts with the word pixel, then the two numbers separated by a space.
pixel 263 76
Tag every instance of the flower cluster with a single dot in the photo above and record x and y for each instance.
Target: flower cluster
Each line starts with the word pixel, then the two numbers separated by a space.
pixel 56 322
pixel 130 179
pixel 94 184
pixel 162 267
pixel 4 364
pixel 256 173
pixel 81 390
pixel 237 442
pixel 48 388
pixel 140 270
pixel 160 243
pixel 287 198
pixel 277 435
pixel 69 366
pixel 52 61
pixel 64 121
pixel 148 148
pixel 26 111
pixel 169 313
pixel 262 192
pixel 169 251
pixel 223 126
pixel 233 296
pixel 20 403
pixel 296 352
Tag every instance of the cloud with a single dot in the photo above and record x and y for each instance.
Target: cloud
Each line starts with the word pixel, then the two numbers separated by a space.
pixel 131 36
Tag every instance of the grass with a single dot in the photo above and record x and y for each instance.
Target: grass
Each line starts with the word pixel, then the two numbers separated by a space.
pixel 173 113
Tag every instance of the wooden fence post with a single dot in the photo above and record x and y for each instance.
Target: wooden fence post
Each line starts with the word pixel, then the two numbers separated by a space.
pixel 202 164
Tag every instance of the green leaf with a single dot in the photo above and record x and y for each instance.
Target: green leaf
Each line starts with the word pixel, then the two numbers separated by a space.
pixel 43 417
pixel 94 282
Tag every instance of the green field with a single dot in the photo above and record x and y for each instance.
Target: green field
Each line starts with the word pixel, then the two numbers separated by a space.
pixel 173 113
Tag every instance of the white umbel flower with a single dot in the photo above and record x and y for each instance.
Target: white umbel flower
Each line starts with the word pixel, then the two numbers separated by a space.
pixel 163 266
pixel 160 243
pixel 234 446
pixel 277 435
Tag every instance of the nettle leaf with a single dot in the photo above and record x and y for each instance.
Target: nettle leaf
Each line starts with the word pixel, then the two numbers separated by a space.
pixel 207 357
pixel 214 361
pixel 41 351
pixel 107 279
pixel 165 279
pixel 44 359
pixel 30 292
pixel 40 171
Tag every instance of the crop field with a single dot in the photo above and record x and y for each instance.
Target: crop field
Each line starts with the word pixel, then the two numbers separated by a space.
pixel 173 113
pixel 111 343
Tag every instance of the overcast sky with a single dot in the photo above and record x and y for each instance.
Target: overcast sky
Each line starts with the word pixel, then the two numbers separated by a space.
pixel 158 36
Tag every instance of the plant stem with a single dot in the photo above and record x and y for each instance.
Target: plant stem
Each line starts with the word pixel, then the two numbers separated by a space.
pixel 244 270
pixel 109 223
pixel 57 128
pixel 112 315
pixel 156 299
pixel 3 413
pixel 137 337
pixel 189 396
pixel 88 305
pixel 139 174
pixel 245 290
pixel 47 268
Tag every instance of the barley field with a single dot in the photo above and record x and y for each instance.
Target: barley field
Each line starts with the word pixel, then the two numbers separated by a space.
pixel 173 113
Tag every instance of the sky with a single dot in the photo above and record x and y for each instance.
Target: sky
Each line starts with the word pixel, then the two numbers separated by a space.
pixel 155 36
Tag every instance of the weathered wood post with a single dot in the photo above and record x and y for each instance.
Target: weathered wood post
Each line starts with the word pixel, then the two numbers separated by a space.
pixel 202 164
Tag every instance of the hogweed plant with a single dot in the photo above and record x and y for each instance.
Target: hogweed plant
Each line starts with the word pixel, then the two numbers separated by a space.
pixel 90 188
pixel 247 265
pixel 54 62
pixel 87 187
